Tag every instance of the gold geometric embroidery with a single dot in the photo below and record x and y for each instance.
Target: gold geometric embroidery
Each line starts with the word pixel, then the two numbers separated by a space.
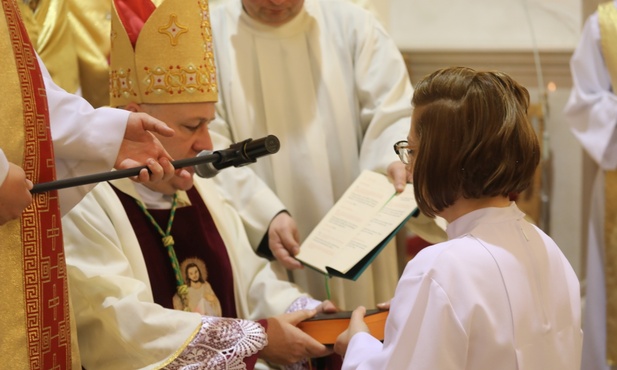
pixel 172 63
pixel 121 84
pixel 176 80
pixel 54 303
pixel 173 29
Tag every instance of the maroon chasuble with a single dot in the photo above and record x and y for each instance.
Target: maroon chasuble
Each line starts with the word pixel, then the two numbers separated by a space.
pixel 196 238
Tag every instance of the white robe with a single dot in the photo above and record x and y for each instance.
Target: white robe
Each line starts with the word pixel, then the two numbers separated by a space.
pixel 119 325
pixel 591 112
pixel 499 294
pixel 86 140
pixel 333 87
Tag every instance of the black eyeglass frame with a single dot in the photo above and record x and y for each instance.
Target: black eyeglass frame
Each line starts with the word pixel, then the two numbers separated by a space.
pixel 401 148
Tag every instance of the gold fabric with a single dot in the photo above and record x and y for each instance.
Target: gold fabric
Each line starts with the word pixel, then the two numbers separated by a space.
pixel 12 310
pixel 49 29
pixel 610 239
pixel 165 66
pixel 91 24
pixel 34 311
pixel 607 16
pixel 33 27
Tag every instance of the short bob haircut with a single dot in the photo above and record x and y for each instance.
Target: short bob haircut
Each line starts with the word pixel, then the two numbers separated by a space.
pixel 474 138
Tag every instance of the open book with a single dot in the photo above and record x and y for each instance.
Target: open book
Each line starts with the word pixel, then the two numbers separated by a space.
pixel 358 227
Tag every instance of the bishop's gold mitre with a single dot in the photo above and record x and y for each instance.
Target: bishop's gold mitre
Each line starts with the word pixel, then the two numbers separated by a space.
pixel 172 60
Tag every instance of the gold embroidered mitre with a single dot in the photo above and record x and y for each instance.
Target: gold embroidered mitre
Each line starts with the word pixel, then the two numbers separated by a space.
pixel 172 58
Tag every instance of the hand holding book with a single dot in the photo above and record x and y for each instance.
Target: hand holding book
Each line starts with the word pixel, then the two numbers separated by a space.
pixel 326 327
pixel 358 227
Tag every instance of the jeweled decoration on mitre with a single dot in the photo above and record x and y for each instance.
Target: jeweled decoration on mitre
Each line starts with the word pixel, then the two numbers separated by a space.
pixel 162 55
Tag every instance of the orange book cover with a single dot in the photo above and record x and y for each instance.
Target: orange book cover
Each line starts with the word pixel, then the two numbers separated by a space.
pixel 326 327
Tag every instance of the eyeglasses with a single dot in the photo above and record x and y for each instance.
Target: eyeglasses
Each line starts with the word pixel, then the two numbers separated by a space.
pixel 404 153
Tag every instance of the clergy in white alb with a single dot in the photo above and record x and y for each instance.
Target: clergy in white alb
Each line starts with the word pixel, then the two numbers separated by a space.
pixel 331 84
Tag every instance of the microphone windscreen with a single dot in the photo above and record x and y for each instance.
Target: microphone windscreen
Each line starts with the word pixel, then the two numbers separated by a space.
pixel 205 170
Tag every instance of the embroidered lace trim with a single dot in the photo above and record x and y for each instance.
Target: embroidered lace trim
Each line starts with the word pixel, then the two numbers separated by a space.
pixel 222 343
pixel 303 303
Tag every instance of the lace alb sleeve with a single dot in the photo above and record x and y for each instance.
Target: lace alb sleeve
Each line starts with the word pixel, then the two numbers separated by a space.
pixel 222 343
pixel 303 303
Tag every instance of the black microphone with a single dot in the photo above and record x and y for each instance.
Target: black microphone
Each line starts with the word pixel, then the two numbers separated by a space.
pixel 238 154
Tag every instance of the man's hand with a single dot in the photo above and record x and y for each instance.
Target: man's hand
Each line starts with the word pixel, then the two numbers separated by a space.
pixel 356 325
pixel 283 240
pixel 287 344
pixel 15 194
pixel 140 147
pixel 398 174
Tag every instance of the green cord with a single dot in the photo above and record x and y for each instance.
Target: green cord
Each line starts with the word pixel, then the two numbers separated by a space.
pixel 327 287
pixel 168 243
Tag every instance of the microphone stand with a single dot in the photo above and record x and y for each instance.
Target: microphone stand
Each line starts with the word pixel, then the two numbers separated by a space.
pixel 113 175
pixel 238 154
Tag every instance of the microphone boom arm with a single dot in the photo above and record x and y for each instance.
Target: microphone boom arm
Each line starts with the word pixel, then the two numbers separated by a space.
pixel 238 154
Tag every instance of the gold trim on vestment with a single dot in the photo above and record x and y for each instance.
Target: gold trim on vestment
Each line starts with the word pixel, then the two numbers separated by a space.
pixel 610 239
pixel 607 17
pixel 13 342
pixel 34 310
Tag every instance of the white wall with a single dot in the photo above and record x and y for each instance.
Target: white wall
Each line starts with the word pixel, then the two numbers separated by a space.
pixel 482 24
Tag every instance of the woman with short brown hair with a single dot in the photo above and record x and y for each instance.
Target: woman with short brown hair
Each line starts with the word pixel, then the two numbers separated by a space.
pixel 499 294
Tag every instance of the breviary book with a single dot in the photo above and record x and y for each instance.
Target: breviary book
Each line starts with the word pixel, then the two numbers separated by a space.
pixel 326 327
pixel 358 227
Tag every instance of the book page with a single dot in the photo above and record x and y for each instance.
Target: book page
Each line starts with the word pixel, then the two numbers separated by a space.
pixel 364 216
